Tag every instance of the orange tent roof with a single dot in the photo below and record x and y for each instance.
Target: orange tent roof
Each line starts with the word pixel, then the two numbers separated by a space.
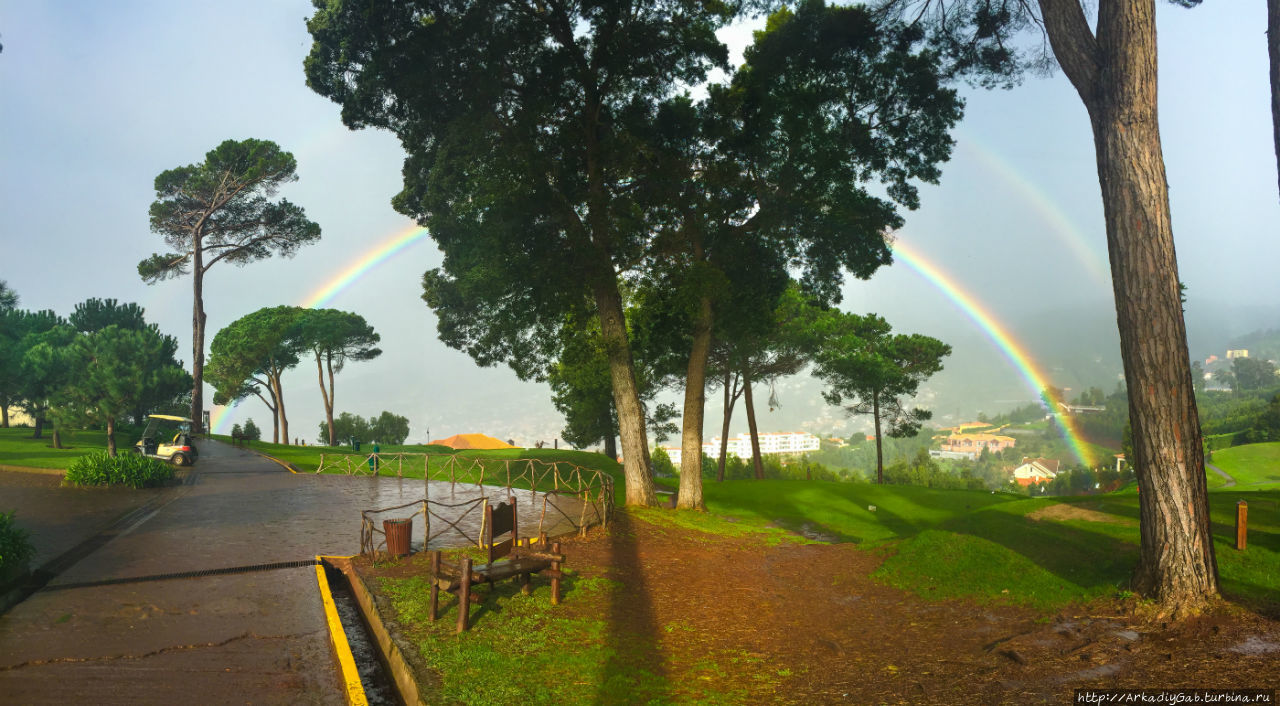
pixel 473 441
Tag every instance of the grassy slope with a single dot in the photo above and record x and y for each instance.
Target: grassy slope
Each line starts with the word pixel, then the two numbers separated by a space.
pixel 1255 466
pixel 17 448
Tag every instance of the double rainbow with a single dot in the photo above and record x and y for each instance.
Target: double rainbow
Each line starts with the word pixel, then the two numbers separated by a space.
pixel 999 335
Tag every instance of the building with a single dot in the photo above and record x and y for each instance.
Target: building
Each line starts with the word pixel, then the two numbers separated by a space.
pixel 784 442
pixel 1036 470
pixel 1240 353
pixel 975 443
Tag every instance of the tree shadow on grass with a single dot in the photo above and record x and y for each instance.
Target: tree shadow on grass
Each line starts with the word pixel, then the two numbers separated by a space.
pixel 633 671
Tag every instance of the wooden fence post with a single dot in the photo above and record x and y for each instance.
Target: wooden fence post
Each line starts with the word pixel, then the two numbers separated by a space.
pixel 464 596
pixel 1242 524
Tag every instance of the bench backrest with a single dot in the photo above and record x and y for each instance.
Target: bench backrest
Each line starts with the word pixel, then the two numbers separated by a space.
pixel 498 521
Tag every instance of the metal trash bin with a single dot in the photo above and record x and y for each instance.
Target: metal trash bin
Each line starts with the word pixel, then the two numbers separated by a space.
pixel 399 534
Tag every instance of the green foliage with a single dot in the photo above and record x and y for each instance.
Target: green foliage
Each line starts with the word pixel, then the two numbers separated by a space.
pixel 236 431
pixel 222 204
pixel 386 428
pixel 8 297
pixel 96 314
pixel 1253 373
pixel 251 430
pixel 129 469
pixel 1225 412
pixel 662 465
pixel 15 543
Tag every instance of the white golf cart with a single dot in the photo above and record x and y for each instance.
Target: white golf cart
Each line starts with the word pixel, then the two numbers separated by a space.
pixel 180 451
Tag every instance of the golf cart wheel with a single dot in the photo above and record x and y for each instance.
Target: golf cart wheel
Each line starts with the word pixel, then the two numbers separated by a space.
pixel 181 460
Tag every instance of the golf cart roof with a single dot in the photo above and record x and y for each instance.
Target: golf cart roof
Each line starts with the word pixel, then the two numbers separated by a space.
pixel 169 417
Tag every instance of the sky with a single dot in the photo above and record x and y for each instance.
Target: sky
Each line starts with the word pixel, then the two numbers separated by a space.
pixel 99 98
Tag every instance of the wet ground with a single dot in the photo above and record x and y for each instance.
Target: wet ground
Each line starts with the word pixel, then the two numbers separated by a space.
pixel 252 637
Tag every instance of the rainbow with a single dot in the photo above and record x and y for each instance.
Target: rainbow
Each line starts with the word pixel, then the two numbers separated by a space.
pixel 1093 259
pixel 1015 352
pixel 337 284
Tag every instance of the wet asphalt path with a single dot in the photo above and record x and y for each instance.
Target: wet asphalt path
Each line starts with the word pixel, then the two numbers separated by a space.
pixel 251 638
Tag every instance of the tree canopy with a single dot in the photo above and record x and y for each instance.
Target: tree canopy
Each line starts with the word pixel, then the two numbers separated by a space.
pixel 334 337
pixel 248 357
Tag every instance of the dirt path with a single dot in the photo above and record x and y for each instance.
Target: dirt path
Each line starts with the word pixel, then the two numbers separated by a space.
pixel 812 615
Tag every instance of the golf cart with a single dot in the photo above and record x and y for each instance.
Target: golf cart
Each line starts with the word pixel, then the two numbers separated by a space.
pixel 181 451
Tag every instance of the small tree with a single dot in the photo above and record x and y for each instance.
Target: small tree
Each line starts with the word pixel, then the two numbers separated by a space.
pixel 251 431
pixel 334 337
pixel 220 209
pixel 236 431
pixel 250 355
pixel 877 373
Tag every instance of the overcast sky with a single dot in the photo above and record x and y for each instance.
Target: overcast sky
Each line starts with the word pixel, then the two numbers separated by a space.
pixel 99 98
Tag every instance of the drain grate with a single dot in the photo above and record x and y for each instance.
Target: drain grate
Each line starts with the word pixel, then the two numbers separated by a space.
pixel 201 573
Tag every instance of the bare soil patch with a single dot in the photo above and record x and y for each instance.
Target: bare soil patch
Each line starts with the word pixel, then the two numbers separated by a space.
pixel 1071 511
pixel 825 632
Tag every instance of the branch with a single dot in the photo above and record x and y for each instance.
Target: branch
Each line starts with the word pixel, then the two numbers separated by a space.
pixel 1073 44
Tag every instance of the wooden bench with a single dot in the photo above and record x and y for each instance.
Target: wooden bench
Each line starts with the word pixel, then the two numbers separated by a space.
pixel 507 559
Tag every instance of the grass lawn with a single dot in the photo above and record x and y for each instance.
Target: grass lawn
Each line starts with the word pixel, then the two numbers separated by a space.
pixel 1000 547
pixel 17 448
pixel 1256 466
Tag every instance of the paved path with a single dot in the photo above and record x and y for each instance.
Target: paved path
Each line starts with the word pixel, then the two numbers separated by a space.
pixel 1230 481
pixel 256 637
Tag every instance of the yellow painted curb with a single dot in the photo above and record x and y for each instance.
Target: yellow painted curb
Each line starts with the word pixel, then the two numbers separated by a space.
pixel 338 637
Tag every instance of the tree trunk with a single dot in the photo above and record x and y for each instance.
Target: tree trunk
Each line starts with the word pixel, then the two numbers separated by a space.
pixel 1273 51
pixel 626 396
pixel 279 393
pixel 38 422
pixel 326 395
pixel 730 398
pixel 57 437
pixel 197 335
pixel 875 414
pixel 1115 75
pixel 756 462
pixel 695 403
pixel 611 445
pixel 4 415
pixel 111 436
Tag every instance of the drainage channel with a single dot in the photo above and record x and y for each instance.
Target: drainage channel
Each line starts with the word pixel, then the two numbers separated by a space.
pixel 374 676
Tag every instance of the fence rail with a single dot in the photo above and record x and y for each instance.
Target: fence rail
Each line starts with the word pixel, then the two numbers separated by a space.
pixel 582 497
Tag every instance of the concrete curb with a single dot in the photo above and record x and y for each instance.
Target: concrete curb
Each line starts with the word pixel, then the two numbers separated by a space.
pixel 338 640
pixel 401 673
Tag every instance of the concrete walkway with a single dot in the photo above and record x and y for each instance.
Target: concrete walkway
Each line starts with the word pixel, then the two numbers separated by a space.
pixel 257 637
pixel 1230 481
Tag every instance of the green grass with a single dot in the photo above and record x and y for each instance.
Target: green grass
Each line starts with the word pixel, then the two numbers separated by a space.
pixel 983 546
pixel 1254 466
pixel 17 448
pixel 576 652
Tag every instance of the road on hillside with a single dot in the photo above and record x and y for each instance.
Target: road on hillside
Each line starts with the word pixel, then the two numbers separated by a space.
pixel 256 637
pixel 1230 481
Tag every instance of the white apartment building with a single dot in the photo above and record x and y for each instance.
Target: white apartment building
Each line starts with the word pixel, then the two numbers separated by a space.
pixel 781 442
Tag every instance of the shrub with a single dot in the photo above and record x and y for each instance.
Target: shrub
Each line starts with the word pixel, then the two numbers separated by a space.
pixel 15 544
pixel 251 431
pixel 129 469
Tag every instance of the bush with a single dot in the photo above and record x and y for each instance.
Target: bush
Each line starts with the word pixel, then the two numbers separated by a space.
pixel 251 431
pixel 129 469
pixel 15 545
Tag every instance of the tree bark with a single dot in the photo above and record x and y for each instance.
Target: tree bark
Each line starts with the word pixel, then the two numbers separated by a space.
pixel 57 437
pixel 1115 75
pixel 1273 51
pixel 695 403
pixel 4 415
pixel 626 395
pixel 111 436
pixel 279 394
pixel 198 319
pixel 756 461
pixel 730 398
pixel 611 445
pixel 326 395
pixel 875 414
pixel 38 422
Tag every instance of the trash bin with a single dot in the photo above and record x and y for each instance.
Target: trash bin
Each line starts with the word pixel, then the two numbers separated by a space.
pixel 355 444
pixel 399 533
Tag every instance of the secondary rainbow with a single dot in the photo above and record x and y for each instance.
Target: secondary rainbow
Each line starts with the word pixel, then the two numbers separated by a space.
pixel 337 284
pixel 1011 349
